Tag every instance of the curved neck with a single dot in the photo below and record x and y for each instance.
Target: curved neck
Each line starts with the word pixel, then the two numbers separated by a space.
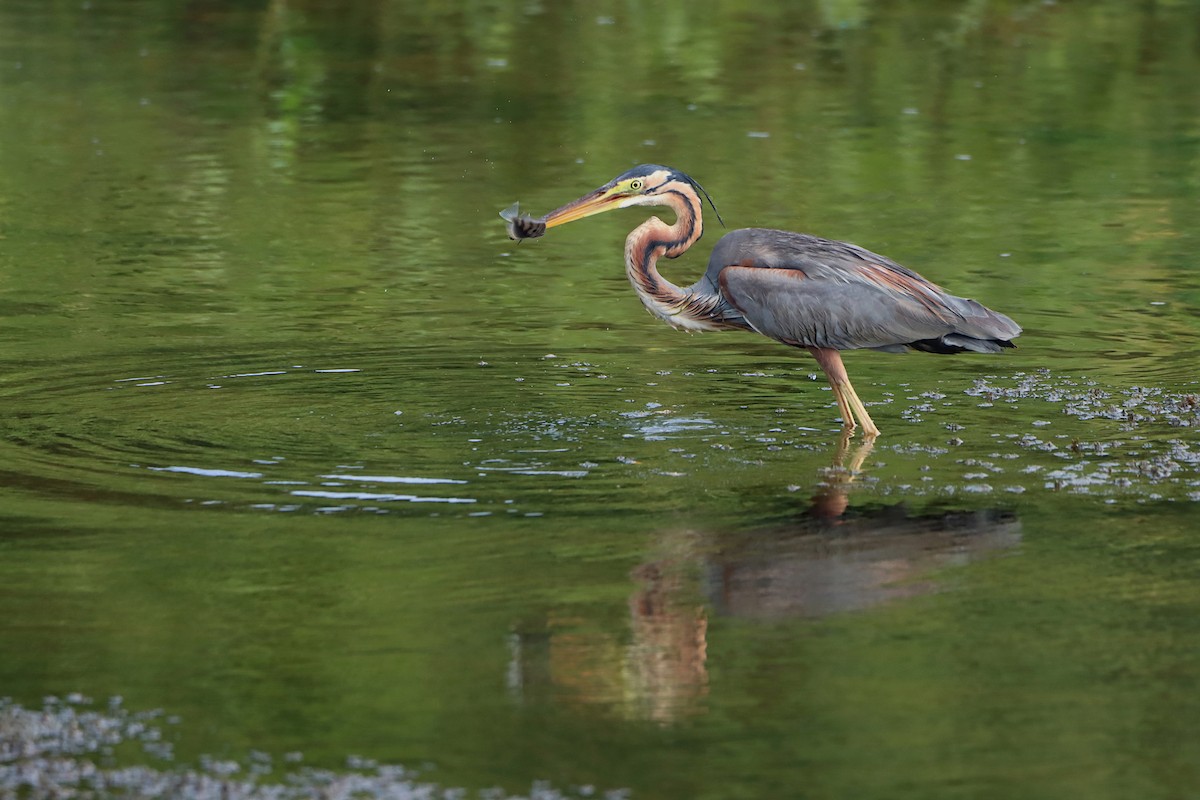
pixel 654 239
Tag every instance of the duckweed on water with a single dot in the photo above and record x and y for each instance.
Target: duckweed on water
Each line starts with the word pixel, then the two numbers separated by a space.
pixel 66 749
pixel 1087 399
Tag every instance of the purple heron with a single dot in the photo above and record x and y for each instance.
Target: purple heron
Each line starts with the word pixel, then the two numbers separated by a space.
pixel 804 291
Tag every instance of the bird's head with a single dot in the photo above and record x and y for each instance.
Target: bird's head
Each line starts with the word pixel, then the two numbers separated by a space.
pixel 645 185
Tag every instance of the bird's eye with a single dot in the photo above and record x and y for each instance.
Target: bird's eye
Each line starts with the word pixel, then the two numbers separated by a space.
pixel 636 184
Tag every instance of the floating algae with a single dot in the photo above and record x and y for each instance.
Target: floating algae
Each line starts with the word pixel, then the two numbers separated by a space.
pixel 67 749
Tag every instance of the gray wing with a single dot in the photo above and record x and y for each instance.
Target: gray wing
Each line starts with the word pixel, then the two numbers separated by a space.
pixel 811 292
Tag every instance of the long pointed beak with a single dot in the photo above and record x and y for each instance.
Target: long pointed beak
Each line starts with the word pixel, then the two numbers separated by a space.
pixel 597 202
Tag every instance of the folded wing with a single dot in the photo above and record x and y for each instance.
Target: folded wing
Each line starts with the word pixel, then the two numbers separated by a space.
pixel 811 292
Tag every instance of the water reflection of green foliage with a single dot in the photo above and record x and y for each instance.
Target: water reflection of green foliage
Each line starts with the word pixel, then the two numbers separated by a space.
pixel 1077 121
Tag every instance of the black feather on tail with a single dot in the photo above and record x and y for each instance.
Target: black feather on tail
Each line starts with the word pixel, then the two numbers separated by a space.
pixel 958 343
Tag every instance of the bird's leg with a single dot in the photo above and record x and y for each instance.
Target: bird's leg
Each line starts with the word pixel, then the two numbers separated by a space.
pixel 870 430
pixel 851 407
pixel 844 409
pixel 835 371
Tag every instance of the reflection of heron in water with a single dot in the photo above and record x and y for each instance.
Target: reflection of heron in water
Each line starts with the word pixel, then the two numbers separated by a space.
pixel 832 558
pixel 832 497
pixel 670 630
pixel 828 558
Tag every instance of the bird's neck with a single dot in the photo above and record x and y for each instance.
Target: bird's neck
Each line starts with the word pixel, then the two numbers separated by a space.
pixel 654 239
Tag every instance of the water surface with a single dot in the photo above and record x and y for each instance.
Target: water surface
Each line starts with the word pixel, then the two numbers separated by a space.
pixel 300 450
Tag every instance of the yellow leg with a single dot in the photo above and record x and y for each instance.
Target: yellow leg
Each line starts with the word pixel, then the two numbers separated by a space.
pixel 870 431
pixel 849 403
pixel 844 408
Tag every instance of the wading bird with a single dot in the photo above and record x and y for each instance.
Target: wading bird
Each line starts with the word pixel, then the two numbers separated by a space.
pixel 801 290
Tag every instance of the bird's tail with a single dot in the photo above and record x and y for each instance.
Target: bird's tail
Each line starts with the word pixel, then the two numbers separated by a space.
pixel 980 331
pixel 958 343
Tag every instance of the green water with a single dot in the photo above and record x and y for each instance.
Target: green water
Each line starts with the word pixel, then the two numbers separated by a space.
pixel 299 448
